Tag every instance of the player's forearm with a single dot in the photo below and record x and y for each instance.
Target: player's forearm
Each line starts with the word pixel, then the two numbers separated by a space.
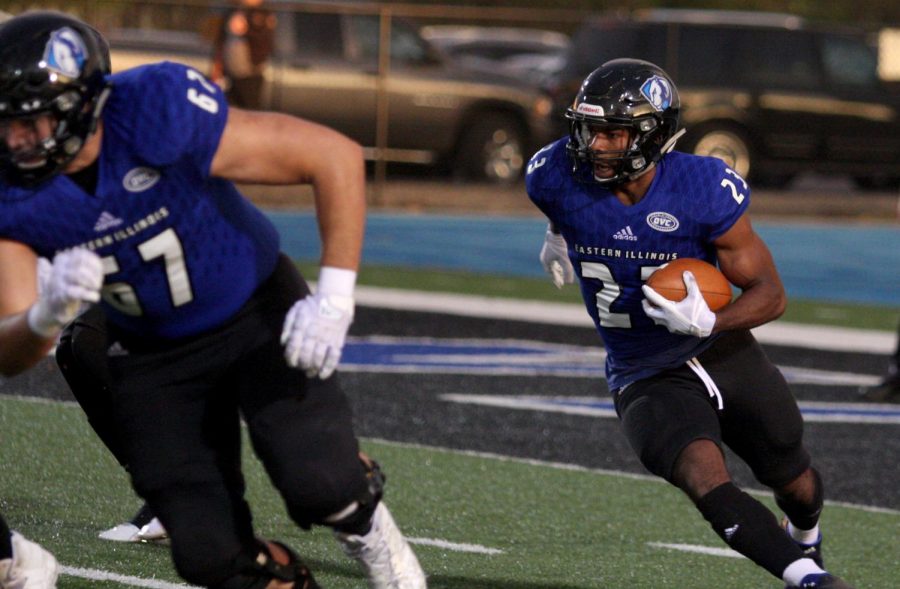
pixel 341 209
pixel 758 304
pixel 20 347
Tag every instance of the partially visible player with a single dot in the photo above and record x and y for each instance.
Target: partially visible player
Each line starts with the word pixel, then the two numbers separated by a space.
pixel 207 322
pixel 23 563
pixel 62 286
pixel 684 380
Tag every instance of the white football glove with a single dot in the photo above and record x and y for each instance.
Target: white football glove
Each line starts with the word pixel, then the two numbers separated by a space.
pixel 73 278
pixel 555 259
pixel 316 326
pixel 689 316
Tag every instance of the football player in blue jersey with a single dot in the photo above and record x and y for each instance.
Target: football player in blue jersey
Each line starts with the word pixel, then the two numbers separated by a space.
pixel 125 182
pixel 685 380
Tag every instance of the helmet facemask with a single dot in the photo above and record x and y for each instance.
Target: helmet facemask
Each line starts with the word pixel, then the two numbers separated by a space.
pixel 626 164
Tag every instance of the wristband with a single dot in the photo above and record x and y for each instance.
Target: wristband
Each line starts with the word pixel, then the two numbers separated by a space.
pixel 336 281
pixel 40 324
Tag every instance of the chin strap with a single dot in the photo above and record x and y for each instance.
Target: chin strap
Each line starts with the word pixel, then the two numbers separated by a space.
pixel 666 148
pixel 670 144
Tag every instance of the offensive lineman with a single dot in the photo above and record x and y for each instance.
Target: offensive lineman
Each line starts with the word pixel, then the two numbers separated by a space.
pixel 130 178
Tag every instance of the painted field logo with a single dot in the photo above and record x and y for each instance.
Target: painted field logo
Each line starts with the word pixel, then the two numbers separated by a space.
pixel 140 179
pixel 662 221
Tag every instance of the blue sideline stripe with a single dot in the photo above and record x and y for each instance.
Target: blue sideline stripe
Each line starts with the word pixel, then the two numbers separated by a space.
pixel 856 264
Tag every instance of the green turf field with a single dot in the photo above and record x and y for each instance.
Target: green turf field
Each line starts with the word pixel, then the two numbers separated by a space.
pixel 478 522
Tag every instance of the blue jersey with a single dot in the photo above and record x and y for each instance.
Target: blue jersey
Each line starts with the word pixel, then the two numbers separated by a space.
pixel 614 247
pixel 182 251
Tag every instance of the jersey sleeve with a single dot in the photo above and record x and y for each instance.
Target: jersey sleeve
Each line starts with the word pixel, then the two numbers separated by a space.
pixel 178 114
pixel 542 182
pixel 727 197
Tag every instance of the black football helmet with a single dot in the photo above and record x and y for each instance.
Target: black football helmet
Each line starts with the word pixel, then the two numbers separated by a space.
pixel 54 66
pixel 624 93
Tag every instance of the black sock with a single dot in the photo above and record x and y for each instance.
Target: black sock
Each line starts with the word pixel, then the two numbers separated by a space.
pixel 143 517
pixel 749 528
pixel 804 515
pixel 5 540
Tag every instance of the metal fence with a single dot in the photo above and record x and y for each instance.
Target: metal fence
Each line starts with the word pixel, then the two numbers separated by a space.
pixel 205 17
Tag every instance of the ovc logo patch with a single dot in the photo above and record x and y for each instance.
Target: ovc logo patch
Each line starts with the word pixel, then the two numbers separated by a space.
pixel 65 53
pixel 140 179
pixel 661 221
pixel 657 92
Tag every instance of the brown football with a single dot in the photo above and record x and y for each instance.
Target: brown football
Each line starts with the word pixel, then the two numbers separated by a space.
pixel 668 282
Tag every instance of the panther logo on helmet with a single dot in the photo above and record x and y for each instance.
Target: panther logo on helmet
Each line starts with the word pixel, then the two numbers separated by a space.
pixel 657 92
pixel 66 53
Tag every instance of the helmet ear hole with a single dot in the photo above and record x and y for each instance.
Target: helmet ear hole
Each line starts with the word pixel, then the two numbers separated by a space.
pixel 629 93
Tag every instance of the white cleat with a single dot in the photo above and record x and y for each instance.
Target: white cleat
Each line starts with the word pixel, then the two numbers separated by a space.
pixel 31 567
pixel 384 554
pixel 127 532
pixel 153 532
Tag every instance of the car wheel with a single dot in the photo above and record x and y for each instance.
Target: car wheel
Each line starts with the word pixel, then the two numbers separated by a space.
pixel 493 149
pixel 729 145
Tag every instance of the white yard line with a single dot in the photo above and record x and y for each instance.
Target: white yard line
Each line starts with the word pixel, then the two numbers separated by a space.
pixel 781 333
pixel 727 552
pixel 98 575
pixel 604 472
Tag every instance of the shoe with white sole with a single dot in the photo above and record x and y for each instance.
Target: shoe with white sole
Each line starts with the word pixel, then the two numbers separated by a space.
pixel 127 532
pixel 384 554
pixel 143 527
pixel 153 532
pixel 31 566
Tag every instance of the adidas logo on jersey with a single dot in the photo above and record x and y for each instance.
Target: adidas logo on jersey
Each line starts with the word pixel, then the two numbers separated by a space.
pixel 625 234
pixel 106 221
pixel 730 532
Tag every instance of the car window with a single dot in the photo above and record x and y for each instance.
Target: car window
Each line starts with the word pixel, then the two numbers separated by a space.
pixel 595 44
pixel 316 36
pixel 406 45
pixel 849 61
pixel 704 56
pixel 777 59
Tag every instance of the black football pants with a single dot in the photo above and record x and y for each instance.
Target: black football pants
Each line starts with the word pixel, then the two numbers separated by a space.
pixel 176 408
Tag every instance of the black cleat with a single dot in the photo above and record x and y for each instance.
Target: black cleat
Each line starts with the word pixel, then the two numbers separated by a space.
pixel 886 392
pixel 823 581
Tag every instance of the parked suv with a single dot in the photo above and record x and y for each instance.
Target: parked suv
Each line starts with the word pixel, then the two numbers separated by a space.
pixel 325 67
pixel 766 92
